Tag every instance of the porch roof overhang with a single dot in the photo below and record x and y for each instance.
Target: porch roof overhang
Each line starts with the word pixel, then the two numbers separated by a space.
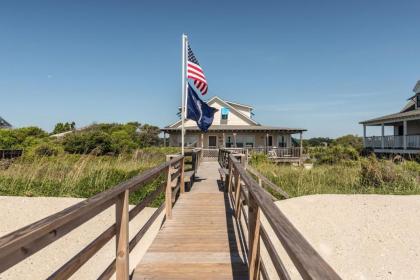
pixel 394 118
pixel 237 128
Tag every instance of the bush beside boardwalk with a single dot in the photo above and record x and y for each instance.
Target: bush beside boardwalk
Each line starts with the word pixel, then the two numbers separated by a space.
pixel 340 170
pixel 68 175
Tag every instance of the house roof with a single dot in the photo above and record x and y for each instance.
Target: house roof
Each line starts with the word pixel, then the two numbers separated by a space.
pixel 416 88
pixel 230 128
pixel 4 123
pixel 413 114
pixel 228 104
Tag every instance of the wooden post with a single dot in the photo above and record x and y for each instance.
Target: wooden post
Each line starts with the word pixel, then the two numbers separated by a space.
pixel 364 135
pixel 168 195
pixel 405 135
pixel 122 252
pixel 229 178
pixel 164 138
pixel 383 136
pixel 234 140
pixel 243 160
pixel 202 140
pixel 266 143
pixel 253 237
pixel 238 196
pixel 181 167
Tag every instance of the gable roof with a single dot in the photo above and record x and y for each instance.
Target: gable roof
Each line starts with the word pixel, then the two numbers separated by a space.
pixel 4 123
pixel 416 88
pixel 228 105
pixel 231 102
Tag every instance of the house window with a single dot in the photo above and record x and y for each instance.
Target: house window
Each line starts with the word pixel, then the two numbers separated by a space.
pixel 282 142
pixel 191 140
pixel 212 141
pixel 418 100
pixel 245 141
pixel 229 142
pixel 225 113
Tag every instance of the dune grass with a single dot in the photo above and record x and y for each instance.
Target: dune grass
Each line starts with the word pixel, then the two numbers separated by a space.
pixel 366 176
pixel 67 175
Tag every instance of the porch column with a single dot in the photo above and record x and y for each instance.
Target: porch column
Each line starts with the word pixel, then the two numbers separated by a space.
pixel 364 135
pixel 164 139
pixel 383 136
pixel 266 143
pixel 234 140
pixel 224 141
pixel 202 140
pixel 301 145
pixel 405 135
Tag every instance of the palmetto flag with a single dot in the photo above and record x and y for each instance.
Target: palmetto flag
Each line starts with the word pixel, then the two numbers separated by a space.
pixel 199 111
pixel 195 72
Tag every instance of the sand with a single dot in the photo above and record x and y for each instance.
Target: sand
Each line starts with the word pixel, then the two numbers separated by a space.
pixel 16 212
pixel 360 236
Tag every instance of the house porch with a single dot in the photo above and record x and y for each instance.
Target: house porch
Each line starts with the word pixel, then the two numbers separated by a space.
pixel 402 137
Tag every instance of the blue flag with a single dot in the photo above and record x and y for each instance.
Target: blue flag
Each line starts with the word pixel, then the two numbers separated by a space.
pixel 199 111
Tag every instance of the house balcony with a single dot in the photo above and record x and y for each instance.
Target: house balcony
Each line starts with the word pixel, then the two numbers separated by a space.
pixel 393 143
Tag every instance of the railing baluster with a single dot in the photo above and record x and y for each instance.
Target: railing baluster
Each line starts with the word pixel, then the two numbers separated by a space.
pixel 182 166
pixel 238 196
pixel 122 219
pixel 253 237
pixel 168 194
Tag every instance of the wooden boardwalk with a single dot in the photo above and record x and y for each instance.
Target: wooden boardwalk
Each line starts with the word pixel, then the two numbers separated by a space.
pixel 202 238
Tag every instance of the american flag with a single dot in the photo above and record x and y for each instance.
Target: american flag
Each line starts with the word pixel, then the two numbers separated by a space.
pixel 195 72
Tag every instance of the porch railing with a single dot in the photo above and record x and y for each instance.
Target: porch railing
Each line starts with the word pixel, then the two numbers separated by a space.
pixel 393 142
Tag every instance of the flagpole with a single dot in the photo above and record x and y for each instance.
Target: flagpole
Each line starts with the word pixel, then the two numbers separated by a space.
pixel 184 41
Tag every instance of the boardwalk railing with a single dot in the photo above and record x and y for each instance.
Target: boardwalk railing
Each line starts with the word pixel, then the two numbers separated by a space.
pixel 247 195
pixel 24 242
pixel 8 154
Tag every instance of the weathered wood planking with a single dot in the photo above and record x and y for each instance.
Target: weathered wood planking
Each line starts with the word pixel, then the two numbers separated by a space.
pixel 201 239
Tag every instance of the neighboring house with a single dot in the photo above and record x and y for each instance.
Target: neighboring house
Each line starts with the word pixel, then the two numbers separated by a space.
pixel 405 137
pixel 233 127
pixel 4 123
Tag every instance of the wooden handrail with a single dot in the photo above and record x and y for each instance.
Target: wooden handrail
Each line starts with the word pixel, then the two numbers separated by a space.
pixel 307 261
pixel 22 243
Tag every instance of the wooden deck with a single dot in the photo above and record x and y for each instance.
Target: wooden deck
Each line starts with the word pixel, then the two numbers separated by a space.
pixel 201 240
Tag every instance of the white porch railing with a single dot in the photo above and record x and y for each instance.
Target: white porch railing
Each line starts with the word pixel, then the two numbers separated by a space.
pixel 393 142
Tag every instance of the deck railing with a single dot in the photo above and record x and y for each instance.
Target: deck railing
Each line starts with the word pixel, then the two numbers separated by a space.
pixel 8 154
pixel 392 142
pixel 246 194
pixel 22 243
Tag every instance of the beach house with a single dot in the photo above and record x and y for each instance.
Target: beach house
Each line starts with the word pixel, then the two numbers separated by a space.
pixel 234 126
pixel 405 129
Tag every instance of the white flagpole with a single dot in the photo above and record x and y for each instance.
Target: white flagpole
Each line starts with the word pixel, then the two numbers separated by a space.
pixel 184 66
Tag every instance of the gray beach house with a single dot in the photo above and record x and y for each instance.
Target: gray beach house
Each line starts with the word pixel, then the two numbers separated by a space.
pixel 405 137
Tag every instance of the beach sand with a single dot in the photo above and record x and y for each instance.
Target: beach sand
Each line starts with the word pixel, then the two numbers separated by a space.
pixel 360 236
pixel 16 212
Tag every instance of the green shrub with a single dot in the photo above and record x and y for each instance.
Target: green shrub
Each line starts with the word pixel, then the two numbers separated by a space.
pixel 95 142
pixel 334 154
pixel 46 149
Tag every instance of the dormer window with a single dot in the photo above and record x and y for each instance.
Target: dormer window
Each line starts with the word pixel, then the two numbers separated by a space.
pixel 225 113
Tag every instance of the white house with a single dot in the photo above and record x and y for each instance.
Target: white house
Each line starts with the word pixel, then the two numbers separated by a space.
pixel 405 137
pixel 233 127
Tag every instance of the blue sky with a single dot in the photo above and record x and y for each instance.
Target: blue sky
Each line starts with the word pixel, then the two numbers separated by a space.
pixel 320 65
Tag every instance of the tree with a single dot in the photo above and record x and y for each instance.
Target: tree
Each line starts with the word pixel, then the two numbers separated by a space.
pixel 64 127
pixel 149 135
pixel 350 141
